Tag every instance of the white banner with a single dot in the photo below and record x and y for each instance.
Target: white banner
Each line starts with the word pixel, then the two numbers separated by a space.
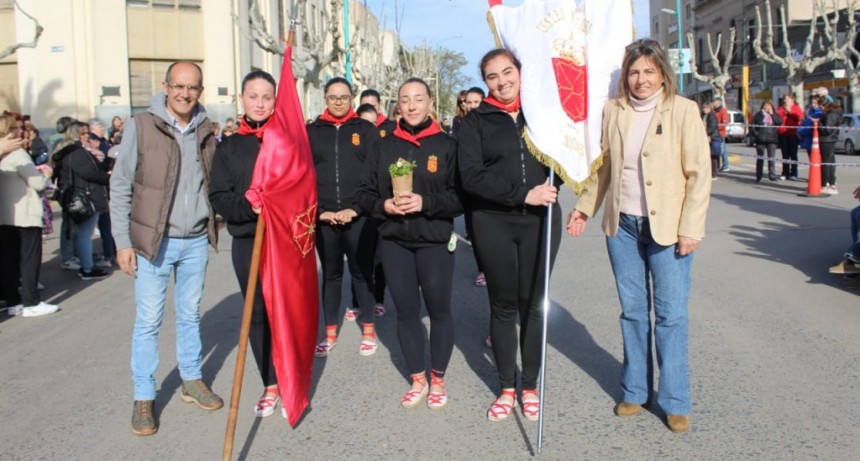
pixel 571 54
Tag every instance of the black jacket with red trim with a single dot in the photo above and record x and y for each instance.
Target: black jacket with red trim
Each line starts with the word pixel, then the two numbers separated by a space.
pixel 496 168
pixel 434 179
pixel 339 155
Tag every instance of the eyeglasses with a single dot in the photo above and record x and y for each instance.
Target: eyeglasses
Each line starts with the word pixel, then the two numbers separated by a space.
pixel 179 88
pixel 335 98
pixel 461 101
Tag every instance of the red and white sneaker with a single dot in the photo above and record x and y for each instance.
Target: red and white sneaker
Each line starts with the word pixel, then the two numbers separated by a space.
pixel 351 314
pixel 379 310
pixel 266 405
pixel 500 410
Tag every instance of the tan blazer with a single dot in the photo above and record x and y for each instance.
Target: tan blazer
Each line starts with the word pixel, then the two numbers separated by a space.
pixel 20 184
pixel 676 169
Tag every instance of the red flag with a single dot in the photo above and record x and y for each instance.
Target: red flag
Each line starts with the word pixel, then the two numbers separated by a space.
pixel 284 186
pixel 494 2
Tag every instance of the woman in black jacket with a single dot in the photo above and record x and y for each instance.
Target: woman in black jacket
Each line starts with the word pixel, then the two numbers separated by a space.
pixel 340 141
pixel 232 170
pixel 763 131
pixel 80 171
pixel 415 228
pixel 509 195
pixel 828 134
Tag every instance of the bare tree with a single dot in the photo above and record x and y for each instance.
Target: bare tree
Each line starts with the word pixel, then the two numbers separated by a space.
pixel 845 52
pixel 311 58
pixel 11 49
pixel 797 65
pixel 720 76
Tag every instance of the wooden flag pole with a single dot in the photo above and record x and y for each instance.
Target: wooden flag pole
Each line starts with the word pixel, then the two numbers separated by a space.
pixel 245 331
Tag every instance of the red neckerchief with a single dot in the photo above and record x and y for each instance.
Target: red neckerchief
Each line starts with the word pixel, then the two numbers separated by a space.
pixel 246 128
pixel 512 107
pixel 380 119
pixel 328 117
pixel 407 136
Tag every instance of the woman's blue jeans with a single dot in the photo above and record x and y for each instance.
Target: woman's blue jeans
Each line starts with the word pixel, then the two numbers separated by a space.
pixel 649 275
pixel 82 234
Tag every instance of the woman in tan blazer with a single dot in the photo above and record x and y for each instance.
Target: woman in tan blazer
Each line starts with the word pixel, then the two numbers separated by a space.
pixel 655 180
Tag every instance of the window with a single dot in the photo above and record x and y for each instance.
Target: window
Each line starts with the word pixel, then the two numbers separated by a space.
pixel 183 4
pixel 688 11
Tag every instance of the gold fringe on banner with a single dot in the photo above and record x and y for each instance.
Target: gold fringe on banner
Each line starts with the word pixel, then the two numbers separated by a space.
pixel 577 187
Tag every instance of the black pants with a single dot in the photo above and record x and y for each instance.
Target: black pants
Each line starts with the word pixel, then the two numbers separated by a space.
pixel 770 149
pixel 20 260
pixel 412 272
pixel 470 234
pixel 828 155
pixel 512 251
pixel 261 333
pixel 789 145
pixel 378 275
pixel 357 242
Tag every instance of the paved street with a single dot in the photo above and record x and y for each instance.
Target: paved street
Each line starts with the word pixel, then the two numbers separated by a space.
pixel 774 350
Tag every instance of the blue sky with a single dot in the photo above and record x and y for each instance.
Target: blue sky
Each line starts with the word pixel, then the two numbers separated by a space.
pixel 460 25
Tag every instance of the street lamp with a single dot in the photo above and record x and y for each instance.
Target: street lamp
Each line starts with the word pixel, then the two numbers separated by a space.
pixel 677 13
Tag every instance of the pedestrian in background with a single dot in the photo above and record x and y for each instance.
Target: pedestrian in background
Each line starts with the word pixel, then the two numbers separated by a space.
pixel 21 227
pixel 828 134
pixel 764 129
pixel 654 181
pixel 791 115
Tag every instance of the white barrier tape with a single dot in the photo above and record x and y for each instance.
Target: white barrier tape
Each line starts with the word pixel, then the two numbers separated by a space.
pixel 838 128
pixel 794 162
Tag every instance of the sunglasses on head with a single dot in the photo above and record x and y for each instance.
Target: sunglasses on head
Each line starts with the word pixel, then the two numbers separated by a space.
pixel 643 43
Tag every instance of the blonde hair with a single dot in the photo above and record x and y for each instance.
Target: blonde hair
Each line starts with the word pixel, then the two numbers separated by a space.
pixel 7 123
pixel 652 50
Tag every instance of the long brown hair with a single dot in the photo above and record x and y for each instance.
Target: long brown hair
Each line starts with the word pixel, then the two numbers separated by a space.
pixel 657 55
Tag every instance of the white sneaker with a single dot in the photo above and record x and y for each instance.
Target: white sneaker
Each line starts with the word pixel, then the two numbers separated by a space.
pixel 832 190
pixel 42 308
pixel 14 310
pixel 70 266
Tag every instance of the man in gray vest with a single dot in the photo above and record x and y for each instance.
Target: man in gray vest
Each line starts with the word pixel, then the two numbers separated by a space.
pixel 162 223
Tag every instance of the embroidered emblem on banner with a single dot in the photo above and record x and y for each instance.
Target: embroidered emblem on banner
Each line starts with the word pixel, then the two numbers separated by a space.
pixel 571 77
pixel 304 227
pixel 433 164
pixel 356 139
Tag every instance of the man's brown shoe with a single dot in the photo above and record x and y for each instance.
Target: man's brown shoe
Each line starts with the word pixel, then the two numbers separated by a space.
pixel 197 392
pixel 627 409
pixel 142 419
pixel 845 267
pixel 678 423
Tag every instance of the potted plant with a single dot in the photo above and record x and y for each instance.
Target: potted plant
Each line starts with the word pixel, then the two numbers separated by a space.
pixel 401 176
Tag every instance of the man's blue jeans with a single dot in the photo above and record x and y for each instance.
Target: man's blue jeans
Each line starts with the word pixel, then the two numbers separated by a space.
pixel 648 275
pixel 724 156
pixel 187 259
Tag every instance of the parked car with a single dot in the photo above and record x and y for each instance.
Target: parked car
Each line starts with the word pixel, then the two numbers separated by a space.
pixel 849 134
pixel 736 130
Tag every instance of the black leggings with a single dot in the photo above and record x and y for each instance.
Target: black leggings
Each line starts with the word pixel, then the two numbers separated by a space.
pixel 261 333
pixel 356 241
pixel 412 272
pixel 828 155
pixel 512 251
pixel 21 259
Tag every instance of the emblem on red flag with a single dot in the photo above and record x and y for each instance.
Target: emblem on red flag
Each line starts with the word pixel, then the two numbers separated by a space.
pixel 304 226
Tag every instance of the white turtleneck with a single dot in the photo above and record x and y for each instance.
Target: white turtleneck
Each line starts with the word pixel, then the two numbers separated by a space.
pixel 632 183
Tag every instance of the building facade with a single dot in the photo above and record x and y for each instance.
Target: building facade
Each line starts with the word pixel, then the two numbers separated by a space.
pixel 105 58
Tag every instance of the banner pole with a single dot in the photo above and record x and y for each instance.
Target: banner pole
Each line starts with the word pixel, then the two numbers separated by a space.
pixel 546 307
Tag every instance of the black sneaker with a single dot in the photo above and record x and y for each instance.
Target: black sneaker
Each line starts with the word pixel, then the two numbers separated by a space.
pixel 95 274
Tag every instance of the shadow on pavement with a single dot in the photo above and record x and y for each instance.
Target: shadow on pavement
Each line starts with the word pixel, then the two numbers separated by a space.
pixel 779 241
pixel 219 331
pixel 573 340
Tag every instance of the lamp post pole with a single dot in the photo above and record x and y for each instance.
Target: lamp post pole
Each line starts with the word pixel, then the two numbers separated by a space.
pixel 348 70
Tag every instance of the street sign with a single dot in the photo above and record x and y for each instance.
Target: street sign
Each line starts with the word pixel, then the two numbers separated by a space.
pixel 680 61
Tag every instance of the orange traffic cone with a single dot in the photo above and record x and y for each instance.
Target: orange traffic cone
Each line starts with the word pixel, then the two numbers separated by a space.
pixel 813 187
